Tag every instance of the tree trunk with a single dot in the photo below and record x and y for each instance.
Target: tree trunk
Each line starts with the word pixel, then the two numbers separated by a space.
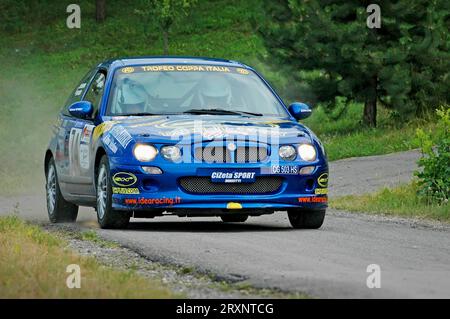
pixel 370 105
pixel 166 42
pixel 100 10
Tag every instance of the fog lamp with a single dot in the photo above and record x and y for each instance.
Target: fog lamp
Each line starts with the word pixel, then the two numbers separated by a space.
pixel 152 170
pixel 306 170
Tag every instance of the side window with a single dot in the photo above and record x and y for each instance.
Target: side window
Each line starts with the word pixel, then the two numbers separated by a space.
pixel 77 93
pixel 95 91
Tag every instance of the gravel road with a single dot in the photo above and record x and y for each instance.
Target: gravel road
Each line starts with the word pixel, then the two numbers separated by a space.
pixel 332 262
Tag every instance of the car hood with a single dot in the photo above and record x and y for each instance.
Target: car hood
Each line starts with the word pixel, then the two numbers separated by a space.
pixel 207 127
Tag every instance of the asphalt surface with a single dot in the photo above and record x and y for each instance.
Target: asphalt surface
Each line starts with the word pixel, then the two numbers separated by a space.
pixel 332 262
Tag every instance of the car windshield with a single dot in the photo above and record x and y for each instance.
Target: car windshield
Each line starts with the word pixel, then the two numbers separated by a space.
pixel 190 89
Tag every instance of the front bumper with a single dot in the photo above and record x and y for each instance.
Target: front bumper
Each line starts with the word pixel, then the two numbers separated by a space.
pixel 164 192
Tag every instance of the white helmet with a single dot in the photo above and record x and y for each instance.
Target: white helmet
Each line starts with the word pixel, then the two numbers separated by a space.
pixel 132 97
pixel 215 91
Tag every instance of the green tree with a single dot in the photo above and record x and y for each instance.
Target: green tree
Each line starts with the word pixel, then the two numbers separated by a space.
pixel 165 13
pixel 404 64
pixel 434 181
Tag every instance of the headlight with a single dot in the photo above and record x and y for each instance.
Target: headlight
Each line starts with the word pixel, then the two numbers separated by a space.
pixel 307 152
pixel 287 152
pixel 144 152
pixel 171 153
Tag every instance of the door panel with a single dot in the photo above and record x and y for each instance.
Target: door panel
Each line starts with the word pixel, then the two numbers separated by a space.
pixel 77 171
pixel 75 140
pixel 80 141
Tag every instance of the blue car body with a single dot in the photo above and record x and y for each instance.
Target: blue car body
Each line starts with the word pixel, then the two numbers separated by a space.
pixel 193 187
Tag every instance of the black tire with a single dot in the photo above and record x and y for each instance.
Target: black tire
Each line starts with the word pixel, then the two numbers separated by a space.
pixel 59 210
pixel 107 217
pixel 306 219
pixel 234 218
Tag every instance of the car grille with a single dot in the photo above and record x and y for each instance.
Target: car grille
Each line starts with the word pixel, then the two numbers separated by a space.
pixel 203 185
pixel 213 154
pixel 221 154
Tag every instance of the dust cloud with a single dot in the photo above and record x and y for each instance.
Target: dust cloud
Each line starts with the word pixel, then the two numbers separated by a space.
pixel 29 104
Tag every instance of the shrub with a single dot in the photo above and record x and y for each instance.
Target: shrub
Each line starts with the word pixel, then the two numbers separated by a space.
pixel 434 176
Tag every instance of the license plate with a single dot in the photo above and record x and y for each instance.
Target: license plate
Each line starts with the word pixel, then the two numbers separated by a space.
pixel 281 169
pixel 220 176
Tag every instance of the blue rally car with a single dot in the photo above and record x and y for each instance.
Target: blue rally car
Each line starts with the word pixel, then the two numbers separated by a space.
pixel 150 136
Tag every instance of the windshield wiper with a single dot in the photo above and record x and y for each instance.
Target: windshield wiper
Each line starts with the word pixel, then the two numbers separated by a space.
pixel 148 114
pixel 220 111
pixel 137 114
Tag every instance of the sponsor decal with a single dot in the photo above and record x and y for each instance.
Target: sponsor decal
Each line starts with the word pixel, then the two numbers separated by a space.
pixel 321 191
pixel 125 191
pixel 322 180
pixel 232 177
pixel 124 179
pixel 102 129
pixel 152 201
pixel 84 156
pixel 185 68
pixel 87 133
pixel 128 70
pixel 242 71
pixel 79 124
pixel 121 135
pixel 312 199
pixel 108 142
pixel 80 89
pixel 232 205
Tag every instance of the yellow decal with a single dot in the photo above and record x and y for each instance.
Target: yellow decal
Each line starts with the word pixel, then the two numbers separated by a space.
pixel 323 180
pixel 125 191
pixel 124 179
pixel 232 205
pixel 101 129
pixel 128 70
pixel 242 71
pixel 321 191
pixel 184 68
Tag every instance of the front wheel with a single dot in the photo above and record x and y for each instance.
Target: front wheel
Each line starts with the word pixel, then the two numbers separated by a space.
pixel 59 210
pixel 306 218
pixel 108 217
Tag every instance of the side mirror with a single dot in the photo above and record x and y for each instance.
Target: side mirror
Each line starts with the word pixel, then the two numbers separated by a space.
pixel 300 110
pixel 81 109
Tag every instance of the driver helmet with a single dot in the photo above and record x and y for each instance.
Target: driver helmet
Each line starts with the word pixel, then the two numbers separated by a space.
pixel 215 91
pixel 131 98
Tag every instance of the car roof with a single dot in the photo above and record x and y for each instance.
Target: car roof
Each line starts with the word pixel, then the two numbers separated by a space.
pixel 130 61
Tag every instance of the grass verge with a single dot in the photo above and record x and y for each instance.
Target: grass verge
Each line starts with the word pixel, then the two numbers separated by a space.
pixel 33 265
pixel 400 201
pixel 347 137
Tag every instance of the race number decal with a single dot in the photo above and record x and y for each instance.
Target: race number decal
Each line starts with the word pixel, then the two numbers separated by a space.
pixel 79 153
pixel 74 151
